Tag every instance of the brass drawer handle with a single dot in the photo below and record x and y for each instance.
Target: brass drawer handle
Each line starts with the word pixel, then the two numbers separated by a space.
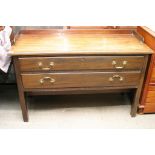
pixel 114 63
pixel 51 65
pixel 116 76
pixel 51 80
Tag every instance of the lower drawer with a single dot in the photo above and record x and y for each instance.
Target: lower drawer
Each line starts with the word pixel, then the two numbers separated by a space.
pixel 149 108
pixel 152 80
pixel 79 79
pixel 151 93
pixel 150 100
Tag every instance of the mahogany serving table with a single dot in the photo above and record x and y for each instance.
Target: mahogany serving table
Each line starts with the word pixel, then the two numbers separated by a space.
pixel 79 61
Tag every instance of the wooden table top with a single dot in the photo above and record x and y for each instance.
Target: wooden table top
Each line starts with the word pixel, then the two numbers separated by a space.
pixel 72 42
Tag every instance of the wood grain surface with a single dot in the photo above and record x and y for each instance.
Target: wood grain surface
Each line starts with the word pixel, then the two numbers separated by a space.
pixel 37 42
pixel 147 104
pixel 79 79
pixel 101 27
pixel 81 63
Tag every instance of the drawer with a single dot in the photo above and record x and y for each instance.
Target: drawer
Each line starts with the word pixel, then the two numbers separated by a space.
pixel 151 93
pixel 149 108
pixel 81 63
pixel 152 80
pixel 78 79
pixel 151 88
pixel 150 100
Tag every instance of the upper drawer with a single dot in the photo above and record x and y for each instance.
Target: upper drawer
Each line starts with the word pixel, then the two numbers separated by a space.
pixel 81 63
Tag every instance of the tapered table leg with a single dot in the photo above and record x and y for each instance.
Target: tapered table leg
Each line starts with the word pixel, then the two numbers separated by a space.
pixel 23 106
pixel 20 90
pixel 134 106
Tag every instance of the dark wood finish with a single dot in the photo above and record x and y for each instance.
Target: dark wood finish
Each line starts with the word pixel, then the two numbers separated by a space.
pixel 85 79
pixel 147 104
pixel 80 63
pixel 75 31
pixel 100 27
pixel 70 91
pixel 21 92
pixel 135 104
pixel 83 65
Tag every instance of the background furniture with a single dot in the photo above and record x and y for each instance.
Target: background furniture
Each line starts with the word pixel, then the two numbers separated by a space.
pixel 8 77
pixel 79 61
pixel 101 27
pixel 148 95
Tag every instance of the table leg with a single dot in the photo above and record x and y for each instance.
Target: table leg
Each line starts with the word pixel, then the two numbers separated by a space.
pixel 135 103
pixel 20 90
pixel 23 106
pixel 137 93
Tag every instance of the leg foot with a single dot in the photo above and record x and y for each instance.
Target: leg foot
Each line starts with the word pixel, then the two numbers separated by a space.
pixel 23 106
pixel 134 106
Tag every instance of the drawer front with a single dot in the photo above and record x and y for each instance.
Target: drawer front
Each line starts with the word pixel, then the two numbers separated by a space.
pixel 153 76
pixel 87 79
pixel 81 63
pixel 151 88
pixel 150 100
pixel 149 108
pixel 151 93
